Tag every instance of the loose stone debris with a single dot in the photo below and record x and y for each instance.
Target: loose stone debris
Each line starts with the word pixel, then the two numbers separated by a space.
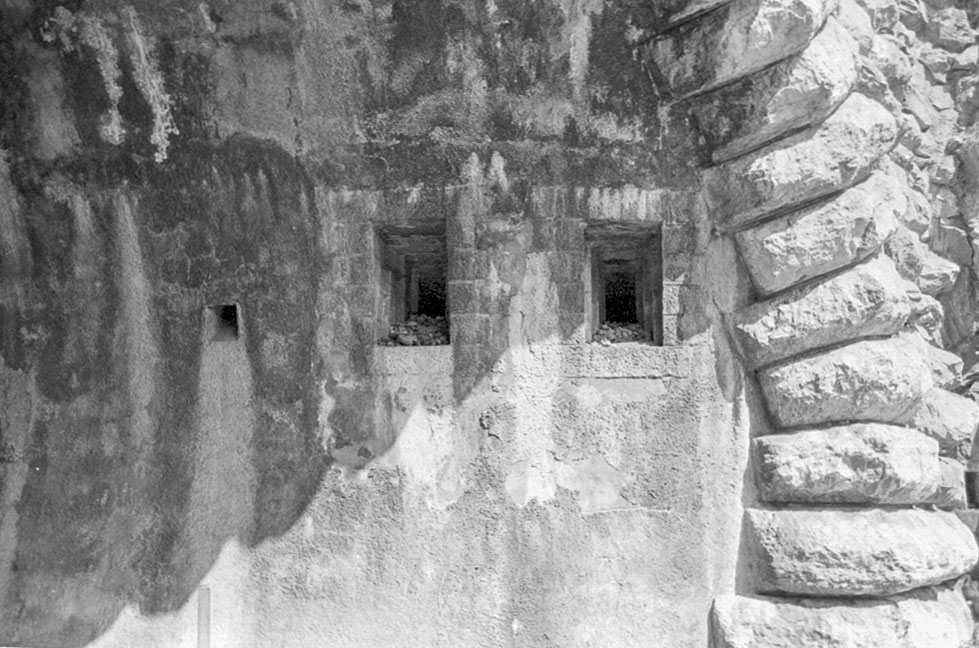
pixel 419 330
pixel 613 332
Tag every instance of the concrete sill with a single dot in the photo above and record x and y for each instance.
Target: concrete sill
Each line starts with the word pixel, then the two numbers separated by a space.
pixel 433 360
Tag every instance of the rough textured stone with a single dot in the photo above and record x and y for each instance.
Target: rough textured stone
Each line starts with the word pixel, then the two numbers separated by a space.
pixel 868 299
pixel 804 167
pixel 928 618
pixel 793 94
pixel 853 552
pixel 949 28
pixel 948 418
pixel 860 463
pixel 945 366
pixel 857 21
pixel 735 40
pixel 951 487
pixel 933 274
pixel 876 380
pixel 883 13
pixel 824 237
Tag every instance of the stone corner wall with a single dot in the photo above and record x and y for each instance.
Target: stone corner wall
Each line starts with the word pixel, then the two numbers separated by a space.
pixel 842 167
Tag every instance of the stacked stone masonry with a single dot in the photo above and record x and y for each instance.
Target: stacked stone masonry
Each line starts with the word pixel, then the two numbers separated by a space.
pixel 840 201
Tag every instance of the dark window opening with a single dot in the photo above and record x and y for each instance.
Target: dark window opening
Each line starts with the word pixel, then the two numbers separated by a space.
pixel 971 484
pixel 225 321
pixel 620 293
pixel 626 290
pixel 431 293
pixel 413 308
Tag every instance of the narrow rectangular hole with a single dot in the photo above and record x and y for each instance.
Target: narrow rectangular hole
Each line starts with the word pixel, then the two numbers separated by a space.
pixel 414 308
pixel 971 483
pixel 225 321
pixel 626 284
pixel 620 292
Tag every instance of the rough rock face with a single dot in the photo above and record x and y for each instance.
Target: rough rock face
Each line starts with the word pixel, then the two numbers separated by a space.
pixel 854 464
pixel 793 94
pixel 869 299
pixel 815 163
pixel 851 552
pixel 876 380
pixel 822 238
pixel 928 618
pixel 948 418
pixel 742 37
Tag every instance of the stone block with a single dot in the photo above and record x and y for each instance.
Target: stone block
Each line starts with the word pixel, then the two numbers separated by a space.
pixel 857 21
pixel 951 486
pixel 933 274
pixel 734 41
pixel 874 380
pixel 883 13
pixel 804 167
pixel 824 237
pixel 948 418
pixel 949 28
pixel 868 299
pixel 945 366
pixel 936 617
pixel 855 552
pixel 861 463
pixel 795 93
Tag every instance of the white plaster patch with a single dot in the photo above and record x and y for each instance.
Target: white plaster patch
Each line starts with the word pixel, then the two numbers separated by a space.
pixel 527 481
pixel 596 482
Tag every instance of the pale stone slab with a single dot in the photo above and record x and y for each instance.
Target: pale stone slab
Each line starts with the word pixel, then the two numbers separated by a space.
pixel 874 380
pixel 793 94
pixel 734 41
pixel 809 165
pixel 934 617
pixel 948 418
pixel 868 299
pixel 854 464
pixel 823 238
pixel 946 367
pixel 933 274
pixel 855 552
pixel 951 487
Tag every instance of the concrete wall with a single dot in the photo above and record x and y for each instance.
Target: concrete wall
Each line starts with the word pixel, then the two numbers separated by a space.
pixel 518 487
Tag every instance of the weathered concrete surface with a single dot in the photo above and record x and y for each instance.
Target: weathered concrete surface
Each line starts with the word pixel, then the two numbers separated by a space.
pixel 877 380
pixel 853 552
pixel 948 418
pixel 822 238
pixel 817 162
pixel 854 464
pixel 928 618
pixel 869 299
pixel 793 94
pixel 739 38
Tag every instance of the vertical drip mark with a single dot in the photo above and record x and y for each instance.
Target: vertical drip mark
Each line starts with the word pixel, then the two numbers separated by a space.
pixel 223 489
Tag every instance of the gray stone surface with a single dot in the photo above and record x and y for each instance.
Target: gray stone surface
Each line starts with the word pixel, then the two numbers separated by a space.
pixel 861 463
pixel 739 38
pixel 795 93
pixel 855 552
pixel 868 299
pixel 824 237
pixel 948 418
pixel 934 617
pixel 814 163
pixel 874 380
pixel 933 274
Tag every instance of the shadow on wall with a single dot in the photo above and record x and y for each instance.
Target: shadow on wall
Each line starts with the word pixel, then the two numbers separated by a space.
pixel 149 432
pixel 170 331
